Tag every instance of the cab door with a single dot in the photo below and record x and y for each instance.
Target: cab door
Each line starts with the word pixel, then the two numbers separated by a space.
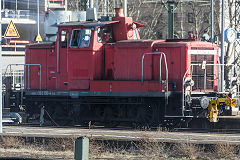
pixel 80 59
pixel 51 70
pixel 62 60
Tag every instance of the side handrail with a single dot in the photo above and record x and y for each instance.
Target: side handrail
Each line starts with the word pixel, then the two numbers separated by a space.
pixel 25 65
pixel 183 83
pixel 160 68
pixel 187 73
pixel 12 73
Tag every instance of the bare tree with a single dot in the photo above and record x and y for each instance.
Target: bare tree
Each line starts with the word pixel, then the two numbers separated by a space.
pixel 154 16
pixel 200 18
pixel 76 5
pixel 151 15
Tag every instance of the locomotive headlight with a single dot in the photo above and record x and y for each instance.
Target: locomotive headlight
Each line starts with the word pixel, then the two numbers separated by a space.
pixel 204 102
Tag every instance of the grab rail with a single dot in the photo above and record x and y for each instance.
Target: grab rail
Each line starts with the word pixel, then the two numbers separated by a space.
pixel 15 74
pixel 205 79
pixel 160 68
pixel 28 65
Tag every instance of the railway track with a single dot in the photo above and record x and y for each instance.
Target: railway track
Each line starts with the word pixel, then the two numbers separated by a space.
pixel 119 134
pixel 201 130
pixel 130 128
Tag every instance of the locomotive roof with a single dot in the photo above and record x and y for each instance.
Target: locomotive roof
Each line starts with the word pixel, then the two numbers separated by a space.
pixel 87 23
pixel 93 23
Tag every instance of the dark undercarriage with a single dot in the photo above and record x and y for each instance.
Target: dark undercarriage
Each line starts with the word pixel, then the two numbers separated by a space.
pixel 88 108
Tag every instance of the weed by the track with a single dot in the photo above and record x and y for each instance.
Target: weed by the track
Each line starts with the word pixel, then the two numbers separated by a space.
pixel 188 150
pixel 225 150
pixel 146 148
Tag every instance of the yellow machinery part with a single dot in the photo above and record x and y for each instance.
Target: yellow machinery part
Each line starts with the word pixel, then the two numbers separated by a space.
pixel 213 107
pixel 213 111
pixel 231 102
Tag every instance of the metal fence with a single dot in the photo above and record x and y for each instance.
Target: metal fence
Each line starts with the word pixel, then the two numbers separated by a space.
pixel 17 79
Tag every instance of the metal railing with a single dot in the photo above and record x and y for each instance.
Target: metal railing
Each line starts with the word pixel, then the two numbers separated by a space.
pixel 16 78
pixel 15 45
pixel 22 77
pixel 188 74
pixel 18 14
pixel 160 69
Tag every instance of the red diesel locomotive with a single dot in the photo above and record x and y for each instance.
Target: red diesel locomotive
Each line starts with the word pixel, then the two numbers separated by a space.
pixel 103 72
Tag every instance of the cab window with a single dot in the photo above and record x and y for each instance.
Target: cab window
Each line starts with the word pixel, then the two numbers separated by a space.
pixel 105 34
pixel 63 39
pixel 80 38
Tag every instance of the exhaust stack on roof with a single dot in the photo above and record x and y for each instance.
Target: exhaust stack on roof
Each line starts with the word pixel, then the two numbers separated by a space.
pixel 119 12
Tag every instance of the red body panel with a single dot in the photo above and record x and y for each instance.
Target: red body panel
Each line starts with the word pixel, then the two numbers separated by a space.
pixel 128 60
pixel 114 66
pixel 79 69
pixel 126 86
pixel 36 68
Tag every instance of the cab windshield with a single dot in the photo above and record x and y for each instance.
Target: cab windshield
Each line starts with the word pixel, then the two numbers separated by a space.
pixel 80 38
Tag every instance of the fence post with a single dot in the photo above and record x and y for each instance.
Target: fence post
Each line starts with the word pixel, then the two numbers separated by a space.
pixel 81 148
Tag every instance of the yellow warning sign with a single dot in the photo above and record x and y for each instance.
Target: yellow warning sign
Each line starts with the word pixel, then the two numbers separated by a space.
pixel 39 38
pixel 11 31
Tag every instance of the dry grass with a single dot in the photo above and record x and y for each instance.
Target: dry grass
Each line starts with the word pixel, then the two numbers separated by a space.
pixel 30 152
pixel 225 150
pixel 147 148
pixel 11 142
pixel 188 150
pixel 61 144
pixel 110 149
pixel 31 148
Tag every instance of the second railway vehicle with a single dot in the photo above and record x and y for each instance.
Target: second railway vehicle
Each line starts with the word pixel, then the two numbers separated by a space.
pixel 101 71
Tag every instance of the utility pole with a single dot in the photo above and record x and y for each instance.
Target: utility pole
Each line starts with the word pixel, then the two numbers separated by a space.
pixel 1 107
pixel 84 5
pixel 66 5
pixel 222 45
pixel 91 4
pixel 37 16
pixel 105 8
pixel 15 5
pixel 212 21
pixel 171 6
pixel 125 7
